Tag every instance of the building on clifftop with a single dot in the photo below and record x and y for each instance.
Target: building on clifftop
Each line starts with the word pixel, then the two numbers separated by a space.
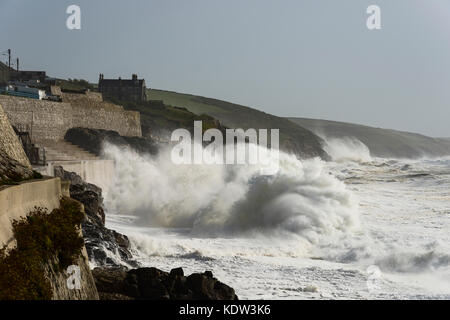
pixel 123 89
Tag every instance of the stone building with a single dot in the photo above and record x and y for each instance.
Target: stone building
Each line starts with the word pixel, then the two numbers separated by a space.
pixel 8 74
pixel 123 89
pixel 27 76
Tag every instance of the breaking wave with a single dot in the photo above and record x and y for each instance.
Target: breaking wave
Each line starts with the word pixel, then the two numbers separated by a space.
pixel 302 198
pixel 429 259
pixel 347 149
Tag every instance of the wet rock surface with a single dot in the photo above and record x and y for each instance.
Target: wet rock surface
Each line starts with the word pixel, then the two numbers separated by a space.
pixel 105 247
pixel 155 284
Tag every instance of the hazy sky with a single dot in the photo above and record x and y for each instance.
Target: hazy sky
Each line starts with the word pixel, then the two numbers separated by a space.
pixel 312 58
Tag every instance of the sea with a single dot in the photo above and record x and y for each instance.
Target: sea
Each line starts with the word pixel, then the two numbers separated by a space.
pixel 356 227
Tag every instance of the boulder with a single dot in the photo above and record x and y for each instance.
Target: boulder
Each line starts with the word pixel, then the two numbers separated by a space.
pixel 155 284
pixel 93 139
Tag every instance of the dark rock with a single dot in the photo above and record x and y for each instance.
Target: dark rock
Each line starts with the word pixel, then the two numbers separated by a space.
pixel 93 139
pixel 180 288
pixel 155 284
pixel 115 280
pixel 114 296
pixel 176 272
pixel 98 239
pixel 110 280
pixel 201 285
pixel 88 194
pixel 209 274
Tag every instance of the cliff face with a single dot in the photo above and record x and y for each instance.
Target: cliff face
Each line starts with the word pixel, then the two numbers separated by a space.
pixel 384 143
pixel 11 170
pixel 78 283
pixel 60 281
pixel 49 259
pixel 10 143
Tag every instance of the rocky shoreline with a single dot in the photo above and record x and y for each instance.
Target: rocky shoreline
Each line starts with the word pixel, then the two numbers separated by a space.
pixel 114 280
pixel 102 244
pixel 155 284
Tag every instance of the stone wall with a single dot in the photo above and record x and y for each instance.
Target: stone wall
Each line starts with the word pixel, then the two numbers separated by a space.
pixel 9 142
pixel 88 97
pixel 50 120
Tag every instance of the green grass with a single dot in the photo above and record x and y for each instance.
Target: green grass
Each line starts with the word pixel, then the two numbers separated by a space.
pixel 75 85
pixel 184 100
pixel 157 117
pixel 293 138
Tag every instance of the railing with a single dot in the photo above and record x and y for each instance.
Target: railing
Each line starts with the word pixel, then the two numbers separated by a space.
pixel 35 154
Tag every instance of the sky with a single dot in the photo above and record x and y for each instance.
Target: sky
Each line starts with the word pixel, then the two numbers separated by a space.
pixel 299 58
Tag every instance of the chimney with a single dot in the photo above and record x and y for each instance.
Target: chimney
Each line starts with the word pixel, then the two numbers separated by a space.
pixel 134 77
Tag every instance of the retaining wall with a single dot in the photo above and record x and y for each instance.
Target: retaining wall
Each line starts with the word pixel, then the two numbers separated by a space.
pixel 18 201
pixel 50 120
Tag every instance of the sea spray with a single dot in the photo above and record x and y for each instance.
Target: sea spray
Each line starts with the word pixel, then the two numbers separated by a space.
pixel 300 199
pixel 268 260
pixel 346 149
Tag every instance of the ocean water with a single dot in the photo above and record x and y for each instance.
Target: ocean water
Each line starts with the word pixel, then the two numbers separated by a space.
pixel 353 228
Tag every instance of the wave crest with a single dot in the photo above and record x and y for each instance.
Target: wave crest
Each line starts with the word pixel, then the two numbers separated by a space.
pixel 301 198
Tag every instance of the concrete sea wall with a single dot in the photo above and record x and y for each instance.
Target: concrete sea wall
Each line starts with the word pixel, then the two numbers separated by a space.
pixel 18 201
pixel 98 172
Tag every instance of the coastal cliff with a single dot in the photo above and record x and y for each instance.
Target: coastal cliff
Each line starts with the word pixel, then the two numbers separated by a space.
pixel 48 246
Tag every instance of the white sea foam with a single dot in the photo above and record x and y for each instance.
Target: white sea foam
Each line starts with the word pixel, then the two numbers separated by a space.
pixel 270 236
pixel 301 198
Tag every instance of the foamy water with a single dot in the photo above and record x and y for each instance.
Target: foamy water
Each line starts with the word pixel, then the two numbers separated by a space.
pixel 314 230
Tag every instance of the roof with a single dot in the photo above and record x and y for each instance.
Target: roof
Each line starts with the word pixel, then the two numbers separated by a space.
pixel 125 82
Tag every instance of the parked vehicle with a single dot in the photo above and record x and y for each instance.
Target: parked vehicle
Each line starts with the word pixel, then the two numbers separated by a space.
pixel 24 91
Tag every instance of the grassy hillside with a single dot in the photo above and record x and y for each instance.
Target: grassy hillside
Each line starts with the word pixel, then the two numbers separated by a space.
pixel 381 142
pixel 158 120
pixel 293 138
pixel 74 85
